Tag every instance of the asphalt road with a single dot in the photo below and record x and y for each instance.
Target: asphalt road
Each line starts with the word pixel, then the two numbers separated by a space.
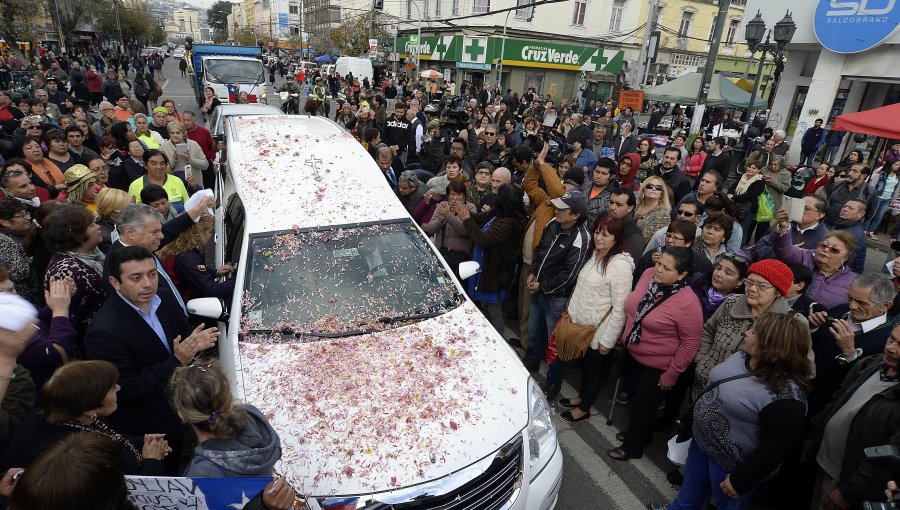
pixel 591 480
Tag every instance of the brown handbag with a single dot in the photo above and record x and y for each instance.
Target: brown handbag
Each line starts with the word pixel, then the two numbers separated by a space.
pixel 573 340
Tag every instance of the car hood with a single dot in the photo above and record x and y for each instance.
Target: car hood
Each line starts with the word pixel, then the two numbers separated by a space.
pixel 387 410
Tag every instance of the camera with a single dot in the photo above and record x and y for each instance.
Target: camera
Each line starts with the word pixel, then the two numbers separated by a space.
pixel 454 115
pixel 884 458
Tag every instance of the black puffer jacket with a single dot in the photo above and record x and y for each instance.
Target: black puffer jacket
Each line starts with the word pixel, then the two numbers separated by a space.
pixel 502 244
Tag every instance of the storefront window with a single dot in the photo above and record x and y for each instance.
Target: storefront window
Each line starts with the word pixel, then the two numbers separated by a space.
pixel 796 109
pixel 533 81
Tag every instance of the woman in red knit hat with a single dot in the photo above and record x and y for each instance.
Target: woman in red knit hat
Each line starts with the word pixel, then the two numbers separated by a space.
pixel 765 286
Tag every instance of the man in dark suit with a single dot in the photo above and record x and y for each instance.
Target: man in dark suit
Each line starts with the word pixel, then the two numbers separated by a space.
pixel 717 159
pixel 146 338
pixel 625 142
pixel 140 225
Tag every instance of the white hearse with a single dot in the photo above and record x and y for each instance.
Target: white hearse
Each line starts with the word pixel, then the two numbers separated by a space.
pixel 348 330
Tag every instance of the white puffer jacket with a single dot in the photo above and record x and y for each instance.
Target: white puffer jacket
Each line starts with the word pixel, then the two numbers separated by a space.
pixel 596 291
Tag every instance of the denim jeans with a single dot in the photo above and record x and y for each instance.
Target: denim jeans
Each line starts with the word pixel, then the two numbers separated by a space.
pixel 830 153
pixel 545 311
pixel 701 476
pixel 806 158
pixel 871 224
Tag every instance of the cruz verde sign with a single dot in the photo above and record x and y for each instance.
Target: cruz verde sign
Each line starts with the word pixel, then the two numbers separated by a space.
pixel 857 25
pixel 481 53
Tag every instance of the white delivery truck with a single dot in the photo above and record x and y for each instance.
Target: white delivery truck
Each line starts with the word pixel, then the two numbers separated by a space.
pixel 229 71
pixel 360 67
pixel 385 383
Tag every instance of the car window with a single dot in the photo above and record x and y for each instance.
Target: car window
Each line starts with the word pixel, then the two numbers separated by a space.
pixel 234 228
pixel 336 280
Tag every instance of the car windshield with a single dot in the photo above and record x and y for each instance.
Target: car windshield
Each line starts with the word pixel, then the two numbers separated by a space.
pixel 343 281
pixel 235 71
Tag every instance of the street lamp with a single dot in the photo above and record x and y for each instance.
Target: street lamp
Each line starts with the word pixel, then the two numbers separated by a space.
pixel 753 34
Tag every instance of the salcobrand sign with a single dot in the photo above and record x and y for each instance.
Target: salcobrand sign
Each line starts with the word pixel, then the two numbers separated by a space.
pixel 516 52
pixel 855 26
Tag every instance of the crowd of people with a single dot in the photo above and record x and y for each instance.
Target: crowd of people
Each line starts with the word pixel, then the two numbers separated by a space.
pixel 680 268
pixel 683 274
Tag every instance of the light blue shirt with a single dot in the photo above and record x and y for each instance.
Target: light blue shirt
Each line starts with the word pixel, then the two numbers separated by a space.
pixel 150 318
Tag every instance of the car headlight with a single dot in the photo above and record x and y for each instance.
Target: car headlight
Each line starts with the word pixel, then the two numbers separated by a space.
pixel 542 441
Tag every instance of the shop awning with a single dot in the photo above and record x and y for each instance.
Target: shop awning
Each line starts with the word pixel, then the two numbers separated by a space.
pixel 877 121
pixel 722 92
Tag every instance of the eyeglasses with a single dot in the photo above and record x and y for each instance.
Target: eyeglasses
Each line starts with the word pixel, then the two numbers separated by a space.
pixel 673 237
pixel 834 250
pixel 762 286
pixel 657 187
pixel 488 133
pixel 687 214
pixel 482 172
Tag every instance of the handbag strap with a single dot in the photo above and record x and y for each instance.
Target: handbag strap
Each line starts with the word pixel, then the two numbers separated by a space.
pixel 723 381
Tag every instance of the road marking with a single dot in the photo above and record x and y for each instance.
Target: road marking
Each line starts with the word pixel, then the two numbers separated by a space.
pixel 164 84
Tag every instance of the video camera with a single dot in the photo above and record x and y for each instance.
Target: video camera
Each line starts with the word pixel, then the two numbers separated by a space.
pixel 453 113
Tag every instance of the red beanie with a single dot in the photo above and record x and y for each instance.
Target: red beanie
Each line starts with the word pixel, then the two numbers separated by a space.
pixel 775 272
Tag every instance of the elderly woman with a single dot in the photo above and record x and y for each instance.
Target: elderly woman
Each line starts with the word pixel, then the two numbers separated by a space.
pixel 653 207
pixel 767 282
pixel 661 336
pixel 183 153
pixel 74 238
pixel 185 261
pixel 110 202
pixel 716 230
pixel 16 234
pixel 151 139
pixel 828 260
pixel 715 286
pixel 201 395
pixel 80 396
pixel 446 228
pixel 436 192
pixel 81 186
pixel 497 239
pixel 481 185
pixel 598 302
pixel 43 172
pixel 749 416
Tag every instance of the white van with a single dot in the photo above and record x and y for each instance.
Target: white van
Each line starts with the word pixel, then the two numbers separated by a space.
pixel 348 330
pixel 360 67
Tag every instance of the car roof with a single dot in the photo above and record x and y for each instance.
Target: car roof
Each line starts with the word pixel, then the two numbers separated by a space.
pixel 296 171
pixel 229 109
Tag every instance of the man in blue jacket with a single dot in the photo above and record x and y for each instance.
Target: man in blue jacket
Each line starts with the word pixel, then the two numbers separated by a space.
pixel 558 258
pixel 810 143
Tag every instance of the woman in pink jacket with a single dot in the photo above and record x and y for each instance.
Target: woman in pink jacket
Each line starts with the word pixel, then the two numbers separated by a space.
pixel 662 333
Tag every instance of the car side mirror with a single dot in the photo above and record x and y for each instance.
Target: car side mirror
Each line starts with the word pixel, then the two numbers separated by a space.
pixel 209 307
pixel 468 269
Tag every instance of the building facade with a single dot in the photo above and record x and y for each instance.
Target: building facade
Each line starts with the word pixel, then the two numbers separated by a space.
pixel 839 61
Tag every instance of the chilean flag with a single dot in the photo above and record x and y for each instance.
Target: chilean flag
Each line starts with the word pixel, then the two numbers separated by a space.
pixel 234 90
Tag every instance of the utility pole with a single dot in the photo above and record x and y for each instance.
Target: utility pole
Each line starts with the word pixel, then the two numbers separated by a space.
pixel 644 57
pixel 119 26
pixel 710 65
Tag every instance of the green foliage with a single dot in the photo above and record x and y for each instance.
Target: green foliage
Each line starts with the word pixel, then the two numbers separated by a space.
pixel 18 20
pixel 135 25
pixel 246 38
pixel 74 13
pixel 217 16
pixel 352 36
pixel 157 35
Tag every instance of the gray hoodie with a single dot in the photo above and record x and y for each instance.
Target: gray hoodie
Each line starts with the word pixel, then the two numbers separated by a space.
pixel 252 453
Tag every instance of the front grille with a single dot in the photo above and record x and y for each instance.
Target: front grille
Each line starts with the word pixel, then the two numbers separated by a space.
pixel 491 490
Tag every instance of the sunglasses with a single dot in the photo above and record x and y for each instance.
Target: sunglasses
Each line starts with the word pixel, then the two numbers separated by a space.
pixel 733 256
pixel 834 250
pixel 657 187
pixel 687 214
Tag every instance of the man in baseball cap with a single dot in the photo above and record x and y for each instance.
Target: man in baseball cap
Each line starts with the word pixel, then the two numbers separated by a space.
pixel 557 259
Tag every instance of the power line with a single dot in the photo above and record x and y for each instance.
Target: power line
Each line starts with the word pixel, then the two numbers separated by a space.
pixel 490 13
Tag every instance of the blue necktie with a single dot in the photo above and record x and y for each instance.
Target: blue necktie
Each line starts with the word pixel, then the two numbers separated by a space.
pixel 392 176
pixel 165 276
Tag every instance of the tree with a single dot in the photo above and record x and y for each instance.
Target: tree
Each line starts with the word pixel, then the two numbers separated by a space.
pixel 18 20
pixel 217 16
pixel 352 37
pixel 157 34
pixel 245 38
pixel 135 25
pixel 73 13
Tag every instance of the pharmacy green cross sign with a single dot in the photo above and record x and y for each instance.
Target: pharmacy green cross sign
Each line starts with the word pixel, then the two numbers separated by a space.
pixel 599 60
pixel 474 50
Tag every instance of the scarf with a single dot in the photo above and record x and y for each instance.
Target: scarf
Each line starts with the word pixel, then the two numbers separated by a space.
pixel 94 260
pixel 100 428
pixel 654 297
pixel 50 174
pixel 715 299
pixel 208 103
pixel 745 183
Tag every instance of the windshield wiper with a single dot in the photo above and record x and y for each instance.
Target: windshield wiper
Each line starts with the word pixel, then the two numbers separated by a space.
pixel 318 334
pixel 410 317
